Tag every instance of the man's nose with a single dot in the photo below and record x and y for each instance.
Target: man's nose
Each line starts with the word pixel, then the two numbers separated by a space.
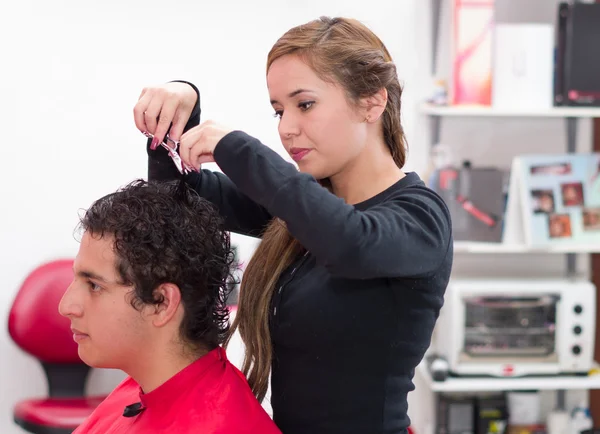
pixel 69 304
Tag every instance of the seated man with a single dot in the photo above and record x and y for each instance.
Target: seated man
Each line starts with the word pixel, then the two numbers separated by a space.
pixel 148 297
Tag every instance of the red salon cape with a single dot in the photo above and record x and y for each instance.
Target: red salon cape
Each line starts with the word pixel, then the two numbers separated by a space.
pixel 211 396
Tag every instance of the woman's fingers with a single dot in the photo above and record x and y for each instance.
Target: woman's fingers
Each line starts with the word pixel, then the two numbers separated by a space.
pixel 165 117
pixel 140 108
pixel 198 144
pixel 195 147
pixel 162 107
pixel 151 114
pixel 180 120
pixel 188 141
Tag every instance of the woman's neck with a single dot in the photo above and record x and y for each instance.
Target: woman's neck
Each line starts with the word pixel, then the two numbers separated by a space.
pixel 368 175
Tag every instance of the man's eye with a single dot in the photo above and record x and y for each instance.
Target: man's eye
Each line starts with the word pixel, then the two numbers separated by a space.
pixel 94 287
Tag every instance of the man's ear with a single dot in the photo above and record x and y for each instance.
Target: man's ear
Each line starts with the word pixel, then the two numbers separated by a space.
pixel 167 309
pixel 374 105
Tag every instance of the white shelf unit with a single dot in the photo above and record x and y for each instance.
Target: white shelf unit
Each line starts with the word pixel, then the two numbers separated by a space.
pixel 560 384
pixel 571 115
pixel 491 384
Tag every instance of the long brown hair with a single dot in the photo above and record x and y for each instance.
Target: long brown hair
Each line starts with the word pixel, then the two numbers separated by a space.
pixel 345 52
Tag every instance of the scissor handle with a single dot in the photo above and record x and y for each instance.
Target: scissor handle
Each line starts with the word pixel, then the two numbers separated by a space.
pixel 181 166
pixel 186 168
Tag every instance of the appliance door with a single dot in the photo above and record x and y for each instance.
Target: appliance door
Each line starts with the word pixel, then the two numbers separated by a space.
pixel 510 326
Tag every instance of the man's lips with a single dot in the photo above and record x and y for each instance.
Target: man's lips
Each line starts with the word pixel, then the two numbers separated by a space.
pixel 78 335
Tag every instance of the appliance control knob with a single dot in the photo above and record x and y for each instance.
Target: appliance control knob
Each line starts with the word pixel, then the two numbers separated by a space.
pixel 577 330
pixel 576 349
pixel 578 308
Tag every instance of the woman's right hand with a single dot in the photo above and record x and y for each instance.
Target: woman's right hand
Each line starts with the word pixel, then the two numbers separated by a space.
pixel 159 106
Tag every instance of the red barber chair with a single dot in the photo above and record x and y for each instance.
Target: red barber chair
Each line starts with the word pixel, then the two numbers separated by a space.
pixel 38 329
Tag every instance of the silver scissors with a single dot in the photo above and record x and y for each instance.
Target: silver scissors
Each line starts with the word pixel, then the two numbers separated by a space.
pixel 181 166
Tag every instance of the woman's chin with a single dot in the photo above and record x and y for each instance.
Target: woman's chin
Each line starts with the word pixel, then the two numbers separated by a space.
pixel 310 169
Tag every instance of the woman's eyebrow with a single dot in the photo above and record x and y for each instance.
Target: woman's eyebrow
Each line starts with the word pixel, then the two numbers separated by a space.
pixel 291 94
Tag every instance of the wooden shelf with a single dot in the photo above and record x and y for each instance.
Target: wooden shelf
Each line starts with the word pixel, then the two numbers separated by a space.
pixel 493 384
pixel 499 248
pixel 484 111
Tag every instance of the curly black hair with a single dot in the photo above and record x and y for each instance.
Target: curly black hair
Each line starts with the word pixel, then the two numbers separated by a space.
pixel 165 233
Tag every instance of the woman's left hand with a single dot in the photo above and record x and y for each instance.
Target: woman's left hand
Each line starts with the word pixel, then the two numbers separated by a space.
pixel 197 146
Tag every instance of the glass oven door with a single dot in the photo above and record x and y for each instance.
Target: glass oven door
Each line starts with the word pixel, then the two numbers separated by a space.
pixel 510 326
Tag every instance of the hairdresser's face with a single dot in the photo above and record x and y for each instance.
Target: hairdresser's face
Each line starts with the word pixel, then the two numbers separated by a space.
pixel 109 331
pixel 319 128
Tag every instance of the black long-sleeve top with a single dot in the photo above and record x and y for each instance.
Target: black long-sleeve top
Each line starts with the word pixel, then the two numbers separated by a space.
pixel 352 318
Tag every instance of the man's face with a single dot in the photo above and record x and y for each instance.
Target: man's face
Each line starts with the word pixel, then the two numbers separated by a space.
pixel 110 332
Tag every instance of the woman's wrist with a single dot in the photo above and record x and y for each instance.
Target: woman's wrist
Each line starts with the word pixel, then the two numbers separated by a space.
pixel 193 99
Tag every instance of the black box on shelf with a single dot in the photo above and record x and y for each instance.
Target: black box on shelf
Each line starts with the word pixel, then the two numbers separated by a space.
pixel 577 64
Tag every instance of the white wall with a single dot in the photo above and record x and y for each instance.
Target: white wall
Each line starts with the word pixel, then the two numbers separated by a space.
pixel 71 74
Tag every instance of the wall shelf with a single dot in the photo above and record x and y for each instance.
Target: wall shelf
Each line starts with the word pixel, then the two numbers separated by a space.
pixel 492 248
pixel 483 111
pixel 493 384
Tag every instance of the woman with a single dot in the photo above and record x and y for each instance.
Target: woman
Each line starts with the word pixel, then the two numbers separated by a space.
pixel 340 298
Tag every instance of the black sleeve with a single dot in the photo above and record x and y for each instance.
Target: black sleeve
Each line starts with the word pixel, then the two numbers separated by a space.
pixel 407 236
pixel 241 214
